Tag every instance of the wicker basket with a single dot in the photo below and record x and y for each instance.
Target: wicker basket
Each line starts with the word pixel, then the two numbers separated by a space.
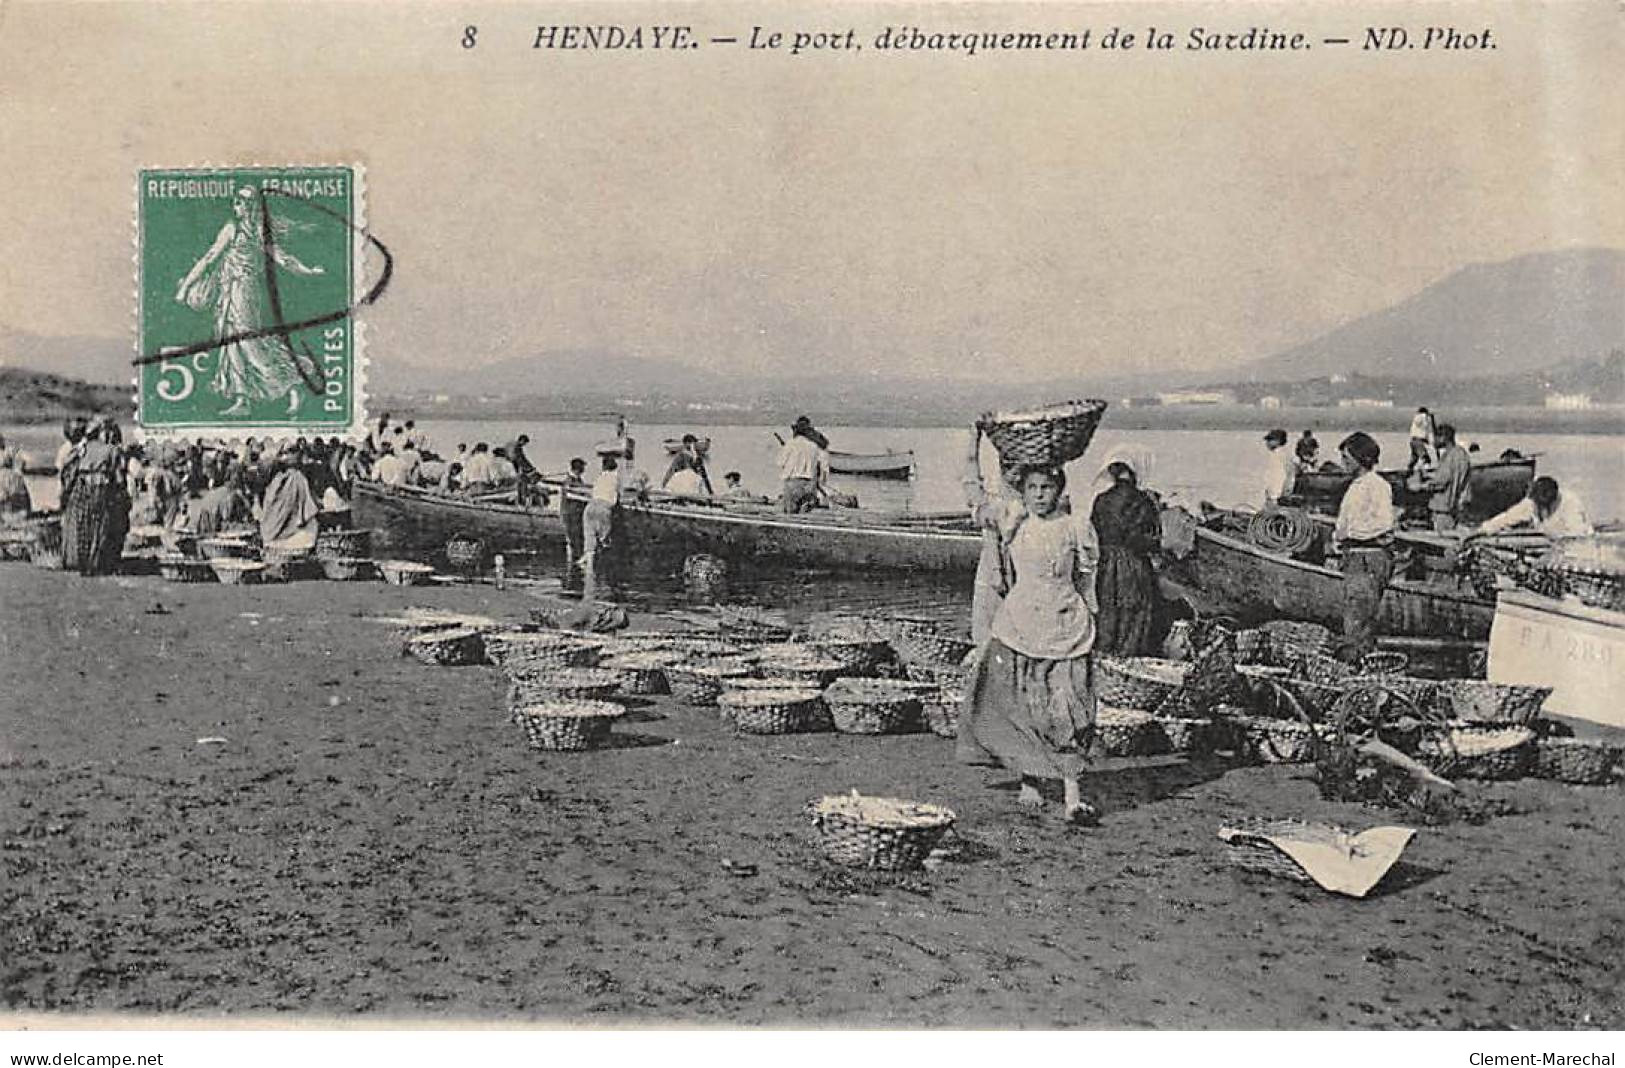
pixel 1600 589
pixel 940 711
pixel 808 670
pixel 926 643
pixel 344 568
pixel 700 684
pixel 642 673
pixel 1477 701
pixel 404 572
pixel 42 557
pixel 567 725
pixel 534 652
pixel 1291 639
pixel 1137 682
pixel 1384 662
pixel 752 624
pixel 874 706
pixel 857 656
pixel 794 711
pixel 700 649
pixel 885 833
pixel 176 568
pixel 450 647
pixel 1472 752
pixel 225 548
pixel 1276 741
pixel 344 543
pixel 1314 667
pixel 1574 760
pixel 1182 734
pixel 1251 850
pixel 562 684
pixel 1050 436
pixel 1121 732
pixel 231 571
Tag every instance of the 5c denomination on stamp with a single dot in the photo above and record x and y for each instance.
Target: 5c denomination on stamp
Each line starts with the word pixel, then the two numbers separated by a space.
pixel 248 280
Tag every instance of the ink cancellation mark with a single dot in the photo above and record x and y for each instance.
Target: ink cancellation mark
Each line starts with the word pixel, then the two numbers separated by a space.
pixel 247 280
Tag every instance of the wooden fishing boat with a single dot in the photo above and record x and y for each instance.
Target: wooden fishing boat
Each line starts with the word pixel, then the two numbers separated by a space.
pixel 1576 649
pixel 1496 486
pixel 1226 575
pixel 889 464
pixel 671 528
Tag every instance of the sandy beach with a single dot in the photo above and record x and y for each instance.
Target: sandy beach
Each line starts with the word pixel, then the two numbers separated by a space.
pixel 373 839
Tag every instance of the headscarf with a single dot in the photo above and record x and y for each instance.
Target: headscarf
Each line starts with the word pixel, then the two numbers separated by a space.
pixel 1139 459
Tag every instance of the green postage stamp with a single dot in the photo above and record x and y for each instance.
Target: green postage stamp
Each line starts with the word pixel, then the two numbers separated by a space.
pixel 248 279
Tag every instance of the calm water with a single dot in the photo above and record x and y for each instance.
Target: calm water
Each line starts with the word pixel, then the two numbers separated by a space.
pixel 1215 465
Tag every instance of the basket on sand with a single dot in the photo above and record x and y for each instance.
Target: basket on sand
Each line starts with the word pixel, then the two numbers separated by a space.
pixel 569 684
pixel 1480 752
pixel 449 647
pixel 344 543
pixel 810 670
pixel 753 711
pixel 1185 734
pixel 1582 762
pixel 939 708
pixel 1321 669
pixel 177 568
pixel 1252 647
pixel 1384 662
pixel 225 548
pixel 1478 701
pixel 643 673
pixel 926 643
pixel 404 572
pixel 700 684
pixel 343 568
pixel 1317 853
pixel 752 624
pixel 856 655
pixel 1275 741
pixel 234 571
pixel 885 833
pixel 873 706
pixel 1124 731
pixel 1137 682
pixel 528 652
pixel 567 725
pixel 1045 437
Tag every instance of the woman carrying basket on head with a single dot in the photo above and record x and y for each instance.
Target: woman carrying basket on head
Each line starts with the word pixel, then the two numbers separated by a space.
pixel 1029 701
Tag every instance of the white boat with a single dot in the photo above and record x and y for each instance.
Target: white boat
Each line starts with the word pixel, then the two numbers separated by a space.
pixel 1574 648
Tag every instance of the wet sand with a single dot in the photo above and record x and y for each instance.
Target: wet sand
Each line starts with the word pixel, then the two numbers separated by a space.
pixel 374 839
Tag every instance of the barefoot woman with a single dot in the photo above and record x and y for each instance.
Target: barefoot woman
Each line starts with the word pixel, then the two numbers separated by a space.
pixel 1029 703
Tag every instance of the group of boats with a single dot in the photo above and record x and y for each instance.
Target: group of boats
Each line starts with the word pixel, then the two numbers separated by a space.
pixel 1221 573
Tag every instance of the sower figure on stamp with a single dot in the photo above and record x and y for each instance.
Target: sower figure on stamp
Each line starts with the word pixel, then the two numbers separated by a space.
pixel 230 279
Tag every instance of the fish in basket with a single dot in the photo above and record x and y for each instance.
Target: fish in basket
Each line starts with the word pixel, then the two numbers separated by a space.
pixel 884 833
pixel 874 706
pixel 234 571
pixel 225 548
pixel 404 572
pixel 1472 751
pixel 763 711
pixel 571 684
pixel 1046 437
pixel 1138 682
pixel 448 647
pixel 564 725
pixel 1578 761
pixel 1318 854
pixel 700 683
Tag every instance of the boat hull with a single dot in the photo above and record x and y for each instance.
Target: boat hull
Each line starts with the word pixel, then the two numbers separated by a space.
pixel 1226 576
pixel 406 517
pixel 1495 486
pixel 893 465
pixel 1576 649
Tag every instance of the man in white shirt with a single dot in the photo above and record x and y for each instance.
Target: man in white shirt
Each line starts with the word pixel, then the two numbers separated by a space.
pixel 411 460
pixel 1422 434
pixel 804 467
pixel 1279 472
pixel 479 472
pixel 598 523
pixel 1553 512
pixel 389 470
pixel 1365 534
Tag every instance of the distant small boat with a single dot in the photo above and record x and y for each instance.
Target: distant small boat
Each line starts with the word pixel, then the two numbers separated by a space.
pixel 896 465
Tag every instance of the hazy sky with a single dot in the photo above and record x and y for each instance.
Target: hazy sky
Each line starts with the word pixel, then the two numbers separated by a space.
pixel 1000 214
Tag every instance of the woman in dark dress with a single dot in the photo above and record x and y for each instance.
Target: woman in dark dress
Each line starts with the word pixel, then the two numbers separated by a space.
pixel 96 508
pixel 1129 527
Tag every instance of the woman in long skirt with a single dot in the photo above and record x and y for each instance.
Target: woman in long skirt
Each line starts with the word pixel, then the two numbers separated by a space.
pixel 96 512
pixel 1029 702
pixel 1130 529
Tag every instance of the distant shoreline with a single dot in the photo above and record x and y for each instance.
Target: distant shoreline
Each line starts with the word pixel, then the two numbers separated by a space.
pixel 1469 421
